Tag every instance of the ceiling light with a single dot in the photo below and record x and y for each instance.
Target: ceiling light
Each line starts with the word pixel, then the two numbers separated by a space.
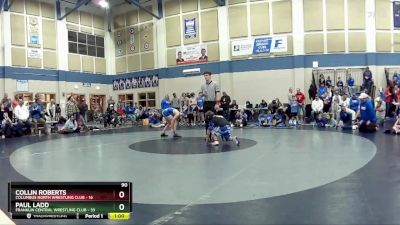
pixel 103 3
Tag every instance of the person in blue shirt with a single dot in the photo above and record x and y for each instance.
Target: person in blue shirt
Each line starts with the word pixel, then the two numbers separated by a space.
pixel 200 108
pixel 368 116
pixel 322 90
pixel 280 118
pixel 354 103
pixel 171 115
pixel 350 83
pixel 321 120
pixel 130 113
pixel 37 116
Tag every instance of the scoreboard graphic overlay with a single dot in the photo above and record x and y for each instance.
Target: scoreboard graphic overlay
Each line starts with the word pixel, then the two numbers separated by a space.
pixel 70 200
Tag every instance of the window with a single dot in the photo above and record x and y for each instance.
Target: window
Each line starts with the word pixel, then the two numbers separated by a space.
pixel 147 99
pixel 85 44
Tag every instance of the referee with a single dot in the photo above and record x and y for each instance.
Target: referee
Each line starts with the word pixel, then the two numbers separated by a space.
pixel 211 93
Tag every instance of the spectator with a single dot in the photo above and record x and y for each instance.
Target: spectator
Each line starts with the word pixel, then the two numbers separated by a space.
pixel 51 110
pixel 200 108
pixel 120 104
pixel 37 117
pixel 70 107
pixel 2 113
pixel 83 109
pixel 225 102
pixel 293 111
pixel 265 119
pixel 110 117
pixel 9 128
pixel 15 102
pixel 354 103
pixel 300 104
pixel 345 117
pixel 21 113
pixel 396 126
pixel 321 80
pixel 322 90
pixel 328 82
pixel 192 110
pixel 130 113
pixel 176 102
pixel 367 80
pixel 279 118
pixel 368 116
pixel 71 126
pixel 263 104
pixel 317 106
pixel 321 120
pixel 241 118
pixel 380 110
pixel 312 92
pixel 58 112
pixel 290 94
pixel 336 102
pixel 350 83
pixel 346 100
pixel 339 85
pixel 110 101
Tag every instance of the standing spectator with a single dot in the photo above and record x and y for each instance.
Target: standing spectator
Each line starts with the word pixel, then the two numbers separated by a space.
pixel 83 109
pixel 317 105
pixel 368 116
pixel 294 108
pixel 70 107
pixel 339 85
pixel 2 113
pixel 225 102
pixel 211 93
pixel 380 110
pixel 328 82
pixel 367 80
pixel 290 94
pixel 200 108
pixel 15 102
pixel 111 101
pixel 300 103
pixel 350 82
pixel 192 110
pixel 312 92
pixel 389 98
pixel 321 79
pixel 120 104
pixel 176 102
pixel 37 116
pixel 51 109
pixel 58 112
pixel 322 90
pixel 4 101
pixel 336 103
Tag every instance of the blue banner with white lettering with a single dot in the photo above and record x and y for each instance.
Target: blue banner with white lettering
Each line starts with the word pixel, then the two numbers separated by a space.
pixel 262 45
pixel 190 28
pixel 396 14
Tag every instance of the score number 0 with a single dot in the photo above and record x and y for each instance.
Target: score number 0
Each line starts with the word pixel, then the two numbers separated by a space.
pixel 121 195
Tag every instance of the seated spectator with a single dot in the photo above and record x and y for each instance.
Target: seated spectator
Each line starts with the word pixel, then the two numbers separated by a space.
pixel 327 99
pixel 130 113
pixel 321 120
pixel 10 129
pixel 241 118
pixel 21 113
pixel 249 109
pixel 155 120
pixel 345 117
pixel 233 109
pixel 58 112
pixel 263 104
pixel 346 100
pixel 380 110
pixel 279 118
pixel 71 126
pixel 265 119
pixel 110 117
pixel 121 115
pixel 317 106
pixel 37 114
pixel 368 116
pixel 396 126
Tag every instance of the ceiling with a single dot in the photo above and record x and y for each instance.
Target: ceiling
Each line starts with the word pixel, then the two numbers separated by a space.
pixel 117 6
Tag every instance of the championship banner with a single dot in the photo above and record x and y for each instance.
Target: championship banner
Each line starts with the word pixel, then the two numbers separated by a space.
pixel 34 39
pixel 190 28
pixel 242 47
pixel 122 84
pixel 396 14
pixel 115 85
pixel 136 82
pixel 191 54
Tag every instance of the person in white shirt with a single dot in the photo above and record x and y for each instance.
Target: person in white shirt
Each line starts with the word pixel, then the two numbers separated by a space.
pixel 70 126
pixel 317 106
pixel 51 110
pixel 336 103
pixel 21 113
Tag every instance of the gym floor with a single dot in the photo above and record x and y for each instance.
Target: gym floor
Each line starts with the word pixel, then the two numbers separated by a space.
pixel 276 176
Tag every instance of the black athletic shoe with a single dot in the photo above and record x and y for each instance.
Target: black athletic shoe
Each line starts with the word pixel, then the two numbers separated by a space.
pixel 164 135
pixel 177 136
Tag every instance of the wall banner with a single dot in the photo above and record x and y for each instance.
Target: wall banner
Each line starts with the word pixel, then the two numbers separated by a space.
pixel 190 28
pixel 34 27
pixel 191 54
